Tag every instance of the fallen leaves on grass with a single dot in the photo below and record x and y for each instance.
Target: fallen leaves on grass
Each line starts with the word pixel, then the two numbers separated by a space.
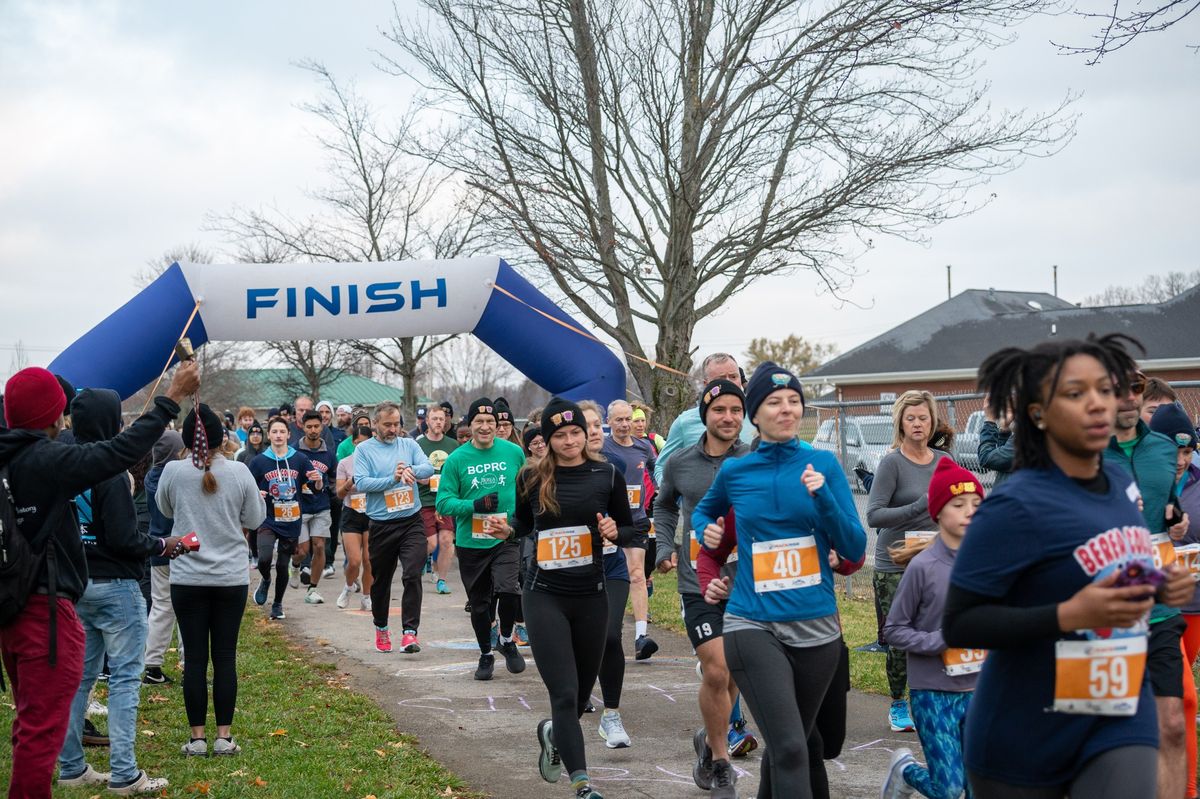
pixel 239 773
pixel 258 782
pixel 381 753
pixel 278 733
pixel 200 787
pixel 158 698
pixel 148 732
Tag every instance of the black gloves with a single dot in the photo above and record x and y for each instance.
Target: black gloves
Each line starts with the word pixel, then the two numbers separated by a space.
pixel 487 504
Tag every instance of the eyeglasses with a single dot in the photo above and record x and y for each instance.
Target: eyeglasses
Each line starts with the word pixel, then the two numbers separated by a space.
pixel 1137 383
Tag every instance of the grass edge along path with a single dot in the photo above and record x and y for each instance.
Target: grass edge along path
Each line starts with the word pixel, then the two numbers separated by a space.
pixel 858 627
pixel 303 733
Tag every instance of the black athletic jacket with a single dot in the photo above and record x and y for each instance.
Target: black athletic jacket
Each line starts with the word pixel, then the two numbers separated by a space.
pixel 114 545
pixel 46 475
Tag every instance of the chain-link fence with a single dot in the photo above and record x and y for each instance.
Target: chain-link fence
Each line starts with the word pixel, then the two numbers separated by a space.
pixel 860 433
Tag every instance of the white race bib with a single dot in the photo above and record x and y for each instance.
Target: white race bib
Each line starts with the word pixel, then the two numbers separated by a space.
pixel 1099 678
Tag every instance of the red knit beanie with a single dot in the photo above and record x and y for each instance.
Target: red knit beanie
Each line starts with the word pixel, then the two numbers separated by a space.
pixel 949 481
pixel 33 399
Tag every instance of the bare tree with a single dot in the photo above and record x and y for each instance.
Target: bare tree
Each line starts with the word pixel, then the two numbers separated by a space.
pixel 1119 25
pixel 465 369
pixel 1154 288
pixel 190 253
pixel 656 158
pixel 380 205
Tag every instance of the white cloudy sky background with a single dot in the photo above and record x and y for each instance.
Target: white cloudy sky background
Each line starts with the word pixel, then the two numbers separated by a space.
pixel 125 123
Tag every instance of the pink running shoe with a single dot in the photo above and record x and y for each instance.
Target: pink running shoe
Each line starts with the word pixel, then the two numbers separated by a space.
pixel 409 643
pixel 383 640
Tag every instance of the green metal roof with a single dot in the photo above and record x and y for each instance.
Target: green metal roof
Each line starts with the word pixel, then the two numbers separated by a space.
pixel 266 388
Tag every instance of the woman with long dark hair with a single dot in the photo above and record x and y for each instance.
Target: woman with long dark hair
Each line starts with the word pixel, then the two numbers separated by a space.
pixel 1056 581
pixel 573 504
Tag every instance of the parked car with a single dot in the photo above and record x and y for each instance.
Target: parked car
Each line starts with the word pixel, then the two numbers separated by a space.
pixel 966 443
pixel 868 439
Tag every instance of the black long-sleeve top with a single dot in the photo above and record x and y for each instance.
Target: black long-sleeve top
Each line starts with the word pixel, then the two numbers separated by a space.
pixel 582 492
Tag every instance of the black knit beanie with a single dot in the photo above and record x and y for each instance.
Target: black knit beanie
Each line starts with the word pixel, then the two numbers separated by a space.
pixel 768 378
pixel 718 388
pixel 214 431
pixel 560 413
pixel 482 405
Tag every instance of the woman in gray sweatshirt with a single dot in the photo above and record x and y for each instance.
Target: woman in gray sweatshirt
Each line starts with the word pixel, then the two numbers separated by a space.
pixel 898 504
pixel 218 504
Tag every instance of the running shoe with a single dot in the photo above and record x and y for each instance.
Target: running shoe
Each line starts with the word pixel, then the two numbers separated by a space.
pixel 644 646
pixel 143 784
pixel 89 776
pixel 588 792
pixel 293 575
pixel 409 643
pixel 894 786
pixel 311 597
pixel 703 767
pixel 327 571
pixel 468 606
pixel 305 576
pixel 94 708
pixel 358 586
pixel 383 639
pixel 724 781
pixel 521 635
pixel 344 596
pixel 93 736
pixel 514 661
pixel 549 763
pixel 154 676
pixel 260 596
pixel 487 665
pixel 442 588
pixel 741 740
pixel 613 731
pixel 277 611
pixel 365 603
pixel 197 747
pixel 898 717
pixel 589 708
pixel 103 675
pixel 226 746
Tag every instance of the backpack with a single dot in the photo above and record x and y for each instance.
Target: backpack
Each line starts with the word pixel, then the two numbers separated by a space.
pixel 22 561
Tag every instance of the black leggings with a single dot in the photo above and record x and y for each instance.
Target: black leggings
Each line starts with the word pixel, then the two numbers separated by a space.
pixel 566 634
pixel 1115 774
pixel 612 665
pixel 784 687
pixel 209 616
pixel 287 547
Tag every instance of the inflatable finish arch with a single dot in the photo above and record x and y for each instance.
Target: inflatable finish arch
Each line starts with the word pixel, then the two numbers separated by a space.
pixel 271 302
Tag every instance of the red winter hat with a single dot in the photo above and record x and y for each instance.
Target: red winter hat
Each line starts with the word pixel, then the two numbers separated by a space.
pixel 949 481
pixel 33 399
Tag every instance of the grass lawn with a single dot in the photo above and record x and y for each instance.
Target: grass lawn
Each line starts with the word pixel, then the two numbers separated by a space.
pixel 303 733
pixel 858 625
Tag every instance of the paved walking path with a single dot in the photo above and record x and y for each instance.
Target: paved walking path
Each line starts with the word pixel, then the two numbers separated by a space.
pixel 484 731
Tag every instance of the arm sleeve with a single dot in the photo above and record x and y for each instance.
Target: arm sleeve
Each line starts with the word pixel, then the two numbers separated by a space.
pixel 78 467
pixel 995 448
pixel 846 567
pixel 254 508
pixel 710 561
pixel 618 509
pixel 882 490
pixel 975 620
pixel 652 465
pixel 836 507
pixel 898 630
pixel 714 504
pixel 162 495
pixel 363 478
pixel 113 502
pixel 449 503
pixel 666 518
pixel 421 467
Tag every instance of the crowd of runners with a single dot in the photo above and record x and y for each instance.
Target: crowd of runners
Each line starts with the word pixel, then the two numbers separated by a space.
pixel 1040 640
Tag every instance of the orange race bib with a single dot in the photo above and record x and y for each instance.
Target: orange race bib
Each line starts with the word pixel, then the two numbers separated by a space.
pixel 564 547
pixel 358 502
pixel 1164 550
pixel 1099 678
pixel 693 548
pixel 635 496
pixel 434 482
pixel 913 536
pixel 287 511
pixel 479 525
pixel 957 662
pixel 399 498
pixel 1188 556
pixel 785 564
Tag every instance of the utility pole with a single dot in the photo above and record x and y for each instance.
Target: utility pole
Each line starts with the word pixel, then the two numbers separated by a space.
pixel 1055 267
pixel 948 293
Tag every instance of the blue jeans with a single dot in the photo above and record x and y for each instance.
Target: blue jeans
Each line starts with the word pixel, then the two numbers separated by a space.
pixel 114 622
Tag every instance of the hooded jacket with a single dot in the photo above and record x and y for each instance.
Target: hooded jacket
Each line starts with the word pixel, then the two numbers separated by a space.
pixel 46 475
pixel 108 524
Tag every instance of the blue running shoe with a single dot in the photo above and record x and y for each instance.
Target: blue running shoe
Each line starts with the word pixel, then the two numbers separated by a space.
pixel 741 740
pixel 899 718
pixel 260 596
pixel 442 588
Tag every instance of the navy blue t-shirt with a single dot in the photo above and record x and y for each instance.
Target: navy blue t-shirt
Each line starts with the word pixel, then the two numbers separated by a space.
pixel 325 462
pixel 1039 539
pixel 282 479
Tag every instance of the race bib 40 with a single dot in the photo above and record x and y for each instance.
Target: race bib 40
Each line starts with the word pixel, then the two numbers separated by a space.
pixel 785 564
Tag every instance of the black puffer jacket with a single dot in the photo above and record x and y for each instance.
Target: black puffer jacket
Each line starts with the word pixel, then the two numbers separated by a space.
pixel 46 475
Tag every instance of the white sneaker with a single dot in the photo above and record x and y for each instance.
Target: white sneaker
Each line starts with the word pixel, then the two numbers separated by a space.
pixel 293 575
pixel 313 598
pixel 365 603
pixel 894 786
pixel 344 597
pixel 142 785
pixel 196 748
pixel 327 572
pixel 94 708
pixel 226 746
pixel 89 777
pixel 613 731
pixel 358 589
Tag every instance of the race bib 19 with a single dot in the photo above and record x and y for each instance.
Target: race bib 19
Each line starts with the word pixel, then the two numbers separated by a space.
pixel 958 662
pixel 564 547
pixel 399 498
pixel 785 564
pixel 1099 678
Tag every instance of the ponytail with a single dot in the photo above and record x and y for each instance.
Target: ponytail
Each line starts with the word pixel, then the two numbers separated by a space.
pixel 208 483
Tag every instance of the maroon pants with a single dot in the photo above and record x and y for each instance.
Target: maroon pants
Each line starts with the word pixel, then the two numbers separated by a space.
pixel 42 692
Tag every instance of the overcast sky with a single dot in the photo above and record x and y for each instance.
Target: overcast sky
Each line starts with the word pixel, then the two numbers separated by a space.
pixel 124 123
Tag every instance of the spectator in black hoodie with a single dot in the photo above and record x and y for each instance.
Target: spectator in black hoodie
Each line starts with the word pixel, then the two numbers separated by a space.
pixel 161 621
pixel 44 475
pixel 112 609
